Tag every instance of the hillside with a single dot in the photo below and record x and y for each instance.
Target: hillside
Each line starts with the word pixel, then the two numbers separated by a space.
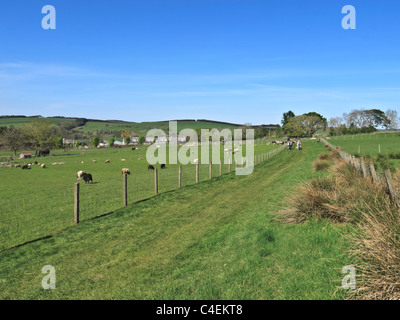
pixel 93 125
pixel 214 240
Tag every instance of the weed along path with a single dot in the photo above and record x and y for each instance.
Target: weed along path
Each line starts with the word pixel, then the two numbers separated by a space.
pixel 214 240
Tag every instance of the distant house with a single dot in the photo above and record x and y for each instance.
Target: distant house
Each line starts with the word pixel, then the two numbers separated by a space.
pixel 25 155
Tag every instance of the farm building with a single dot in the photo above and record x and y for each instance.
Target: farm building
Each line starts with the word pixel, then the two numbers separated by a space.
pixel 25 155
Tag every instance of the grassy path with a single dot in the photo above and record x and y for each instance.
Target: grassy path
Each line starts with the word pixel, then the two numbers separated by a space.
pixel 214 240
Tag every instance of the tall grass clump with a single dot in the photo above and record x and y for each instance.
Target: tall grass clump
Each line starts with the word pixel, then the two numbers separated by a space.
pixel 339 197
pixel 321 165
pixel 346 197
pixel 376 246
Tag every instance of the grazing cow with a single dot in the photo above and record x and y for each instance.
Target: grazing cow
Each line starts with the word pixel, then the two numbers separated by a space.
pixel 134 148
pixel 25 166
pixel 196 161
pixel 107 161
pixel 43 166
pixel 163 166
pixel 125 171
pixel 87 177
pixel 36 162
pixel 123 159
pixel 17 165
pixel 79 174
pixel 150 167
pixel 94 161
pixel 140 158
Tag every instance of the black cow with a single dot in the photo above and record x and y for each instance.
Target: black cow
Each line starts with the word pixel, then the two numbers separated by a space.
pixel 163 166
pixel 150 167
pixel 44 153
pixel 133 148
pixel 25 166
pixel 87 177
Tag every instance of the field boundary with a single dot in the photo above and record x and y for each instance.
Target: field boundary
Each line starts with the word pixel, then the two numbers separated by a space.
pixel 386 180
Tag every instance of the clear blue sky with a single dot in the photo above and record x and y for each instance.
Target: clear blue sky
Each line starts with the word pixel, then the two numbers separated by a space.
pixel 229 60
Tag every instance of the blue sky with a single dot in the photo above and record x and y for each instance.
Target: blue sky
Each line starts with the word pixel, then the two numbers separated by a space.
pixel 229 60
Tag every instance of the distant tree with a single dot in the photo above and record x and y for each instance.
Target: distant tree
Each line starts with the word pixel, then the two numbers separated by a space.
pixel 14 139
pixel 111 142
pixel 287 116
pixel 41 133
pixel 303 126
pixel 324 121
pixel 128 140
pixel 141 139
pixel 59 143
pixel 96 142
pixel 278 132
pixel 391 120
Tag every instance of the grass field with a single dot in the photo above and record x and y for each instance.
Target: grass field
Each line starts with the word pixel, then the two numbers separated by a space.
pixel 139 128
pixel 214 240
pixel 39 202
pixel 369 143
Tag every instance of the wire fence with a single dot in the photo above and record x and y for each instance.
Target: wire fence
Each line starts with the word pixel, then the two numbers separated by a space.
pixel 28 217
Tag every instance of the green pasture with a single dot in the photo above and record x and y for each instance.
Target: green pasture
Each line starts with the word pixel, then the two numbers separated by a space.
pixel 213 240
pixel 39 202
pixel 368 144
pixel 141 128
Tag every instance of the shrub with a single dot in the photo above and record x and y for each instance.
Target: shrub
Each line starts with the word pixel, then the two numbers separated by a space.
pixel 321 165
pixel 339 197
pixel 383 163
pixel 334 155
pixel 394 155
pixel 323 156
pixel 376 245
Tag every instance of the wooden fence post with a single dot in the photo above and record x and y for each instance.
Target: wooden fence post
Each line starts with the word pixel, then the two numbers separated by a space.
pixel 197 173
pixel 180 177
pixel 392 194
pixel 125 189
pixel 220 168
pixel 210 170
pixel 364 168
pixel 76 203
pixel 373 173
pixel 155 181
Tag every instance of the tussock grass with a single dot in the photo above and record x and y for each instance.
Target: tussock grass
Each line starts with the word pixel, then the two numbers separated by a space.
pixel 376 245
pixel 346 197
pixel 339 197
pixel 323 156
pixel 321 165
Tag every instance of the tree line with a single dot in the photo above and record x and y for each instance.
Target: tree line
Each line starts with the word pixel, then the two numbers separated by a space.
pixel 356 121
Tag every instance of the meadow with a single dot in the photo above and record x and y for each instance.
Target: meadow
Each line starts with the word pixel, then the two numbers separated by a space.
pixel 368 144
pixel 212 240
pixel 38 202
pixel 138 128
